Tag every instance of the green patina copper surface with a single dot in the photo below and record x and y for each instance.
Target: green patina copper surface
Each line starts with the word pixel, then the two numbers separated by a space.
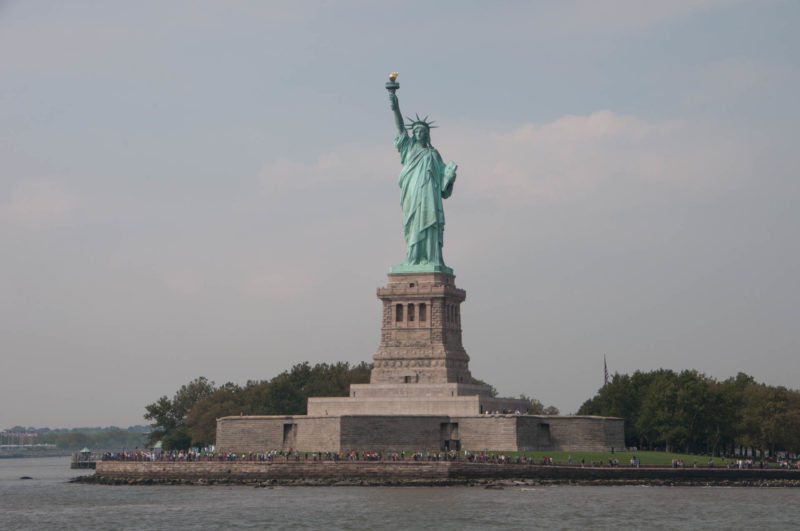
pixel 424 181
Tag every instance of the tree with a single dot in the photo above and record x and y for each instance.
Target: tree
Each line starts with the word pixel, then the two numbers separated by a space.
pixel 190 417
pixel 176 439
pixel 492 390
pixel 535 407
pixel 621 397
pixel 161 413
pixel 696 413
pixel 201 421
pixel 656 423
pixel 731 424
pixel 168 416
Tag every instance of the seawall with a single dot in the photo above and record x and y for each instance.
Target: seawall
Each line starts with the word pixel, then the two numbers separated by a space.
pixel 423 473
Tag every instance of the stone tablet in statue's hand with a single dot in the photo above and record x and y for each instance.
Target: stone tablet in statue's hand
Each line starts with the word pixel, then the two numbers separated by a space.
pixel 450 170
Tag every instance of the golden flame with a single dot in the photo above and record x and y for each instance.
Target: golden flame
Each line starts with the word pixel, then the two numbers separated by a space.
pixel 393 76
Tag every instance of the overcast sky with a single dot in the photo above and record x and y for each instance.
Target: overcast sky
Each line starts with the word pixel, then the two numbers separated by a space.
pixel 210 188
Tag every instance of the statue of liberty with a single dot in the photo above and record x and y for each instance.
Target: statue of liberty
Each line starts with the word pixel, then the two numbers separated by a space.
pixel 424 181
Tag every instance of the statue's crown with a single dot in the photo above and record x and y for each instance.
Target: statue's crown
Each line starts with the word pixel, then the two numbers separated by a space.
pixel 412 123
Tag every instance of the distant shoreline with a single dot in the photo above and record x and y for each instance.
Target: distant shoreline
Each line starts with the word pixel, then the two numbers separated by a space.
pixel 45 453
pixel 423 473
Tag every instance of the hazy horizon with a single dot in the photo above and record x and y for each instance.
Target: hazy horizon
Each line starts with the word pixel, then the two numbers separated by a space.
pixel 210 189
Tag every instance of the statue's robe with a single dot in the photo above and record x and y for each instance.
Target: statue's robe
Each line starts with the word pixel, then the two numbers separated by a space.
pixel 423 186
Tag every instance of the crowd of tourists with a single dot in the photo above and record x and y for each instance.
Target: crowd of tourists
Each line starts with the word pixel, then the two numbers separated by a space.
pixel 787 463
pixel 749 463
pixel 208 454
pixel 353 455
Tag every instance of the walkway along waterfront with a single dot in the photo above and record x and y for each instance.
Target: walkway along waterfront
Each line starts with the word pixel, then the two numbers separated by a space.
pixel 422 472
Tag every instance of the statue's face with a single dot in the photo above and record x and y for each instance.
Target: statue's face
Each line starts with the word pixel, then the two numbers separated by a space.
pixel 422 135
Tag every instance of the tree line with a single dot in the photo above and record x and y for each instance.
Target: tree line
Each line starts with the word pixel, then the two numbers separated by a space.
pixel 189 418
pixel 694 413
pixel 663 409
pixel 107 438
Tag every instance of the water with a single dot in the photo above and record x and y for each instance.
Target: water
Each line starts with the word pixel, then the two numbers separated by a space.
pixel 50 502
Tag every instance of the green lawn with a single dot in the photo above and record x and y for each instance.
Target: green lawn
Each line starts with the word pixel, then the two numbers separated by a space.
pixel 645 458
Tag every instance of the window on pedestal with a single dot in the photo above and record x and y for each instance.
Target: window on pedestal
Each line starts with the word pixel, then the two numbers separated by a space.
pixel 398 313
pixel 410 313
pixel 422 312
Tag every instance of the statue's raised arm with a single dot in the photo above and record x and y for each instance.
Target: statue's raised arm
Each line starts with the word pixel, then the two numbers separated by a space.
pixel 392 87
pixel 424 181
pixel 398 118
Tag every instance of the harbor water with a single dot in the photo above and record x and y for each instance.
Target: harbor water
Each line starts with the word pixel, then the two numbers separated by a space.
pixel 49 501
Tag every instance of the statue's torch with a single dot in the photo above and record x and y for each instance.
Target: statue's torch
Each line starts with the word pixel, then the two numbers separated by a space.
pixel 392 85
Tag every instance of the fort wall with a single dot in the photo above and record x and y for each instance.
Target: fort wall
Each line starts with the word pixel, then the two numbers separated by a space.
pixel 383 433
pixel 586 433
pixel 263 433
pixel 423 472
